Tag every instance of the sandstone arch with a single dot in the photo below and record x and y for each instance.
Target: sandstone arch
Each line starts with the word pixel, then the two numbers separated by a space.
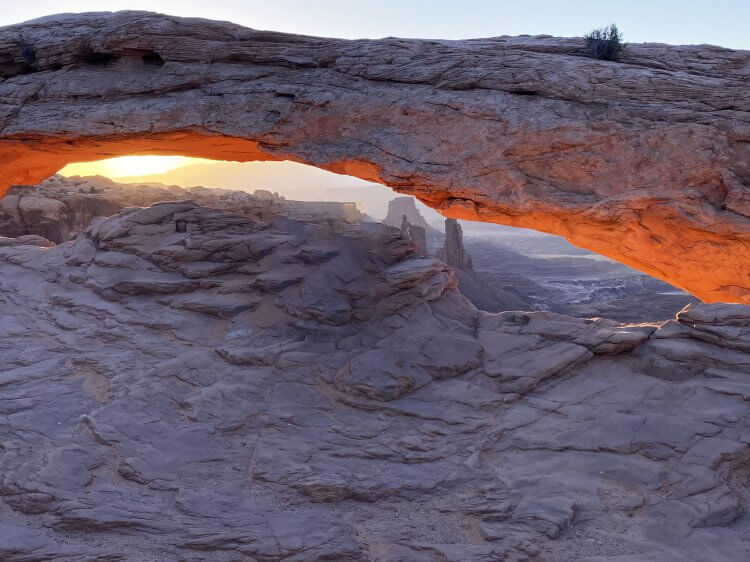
pixel 646 161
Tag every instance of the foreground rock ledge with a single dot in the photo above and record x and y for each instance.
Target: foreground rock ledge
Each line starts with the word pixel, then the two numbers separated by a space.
pixel 182 383
pixel 646 160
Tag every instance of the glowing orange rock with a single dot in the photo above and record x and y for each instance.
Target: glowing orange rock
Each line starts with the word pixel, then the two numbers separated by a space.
pixel 646 160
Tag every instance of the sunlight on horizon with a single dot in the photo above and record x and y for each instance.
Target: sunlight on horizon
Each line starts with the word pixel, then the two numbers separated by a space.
pixel 127 166
pixel 291 179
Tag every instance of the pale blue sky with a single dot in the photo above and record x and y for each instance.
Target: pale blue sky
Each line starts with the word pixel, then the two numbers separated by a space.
pixel 719 22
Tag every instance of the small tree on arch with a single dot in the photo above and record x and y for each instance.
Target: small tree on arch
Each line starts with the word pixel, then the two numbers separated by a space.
pixel 605 43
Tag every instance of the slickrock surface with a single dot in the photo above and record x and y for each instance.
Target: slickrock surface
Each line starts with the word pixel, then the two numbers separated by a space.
pixel 60 208
pixel 180 383
pixel 646 160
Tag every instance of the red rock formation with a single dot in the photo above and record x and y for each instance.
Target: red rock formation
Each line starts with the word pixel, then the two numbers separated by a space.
pixel 646 161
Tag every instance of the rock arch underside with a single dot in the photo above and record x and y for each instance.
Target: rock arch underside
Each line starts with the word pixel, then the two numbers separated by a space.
pixel 646 160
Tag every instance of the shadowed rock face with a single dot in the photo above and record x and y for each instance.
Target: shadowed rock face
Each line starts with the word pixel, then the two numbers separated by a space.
pixel 646 161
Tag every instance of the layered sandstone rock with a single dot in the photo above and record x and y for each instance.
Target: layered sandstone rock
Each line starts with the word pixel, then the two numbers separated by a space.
pixel 184 383
pixel 646 160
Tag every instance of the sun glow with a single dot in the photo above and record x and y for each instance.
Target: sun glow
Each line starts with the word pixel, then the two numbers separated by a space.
pixel 127 166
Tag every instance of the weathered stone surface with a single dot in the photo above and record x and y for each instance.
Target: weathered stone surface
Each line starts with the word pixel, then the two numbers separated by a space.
pixel 680 349
pixel 364 412
pixel 599 335
pixel 724 324
pixel 646 160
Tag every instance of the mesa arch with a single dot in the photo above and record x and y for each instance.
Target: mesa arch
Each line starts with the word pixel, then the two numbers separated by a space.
pixel 646 160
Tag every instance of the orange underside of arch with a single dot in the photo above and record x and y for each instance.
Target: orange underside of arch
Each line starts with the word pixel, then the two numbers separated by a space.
pixel 27 161
pixel 30 160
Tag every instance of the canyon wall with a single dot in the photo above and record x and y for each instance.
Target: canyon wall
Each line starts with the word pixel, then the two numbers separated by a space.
pixel 646 160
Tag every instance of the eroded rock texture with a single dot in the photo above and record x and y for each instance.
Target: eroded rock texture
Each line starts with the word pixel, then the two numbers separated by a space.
pixel 180 383
pixel 646 160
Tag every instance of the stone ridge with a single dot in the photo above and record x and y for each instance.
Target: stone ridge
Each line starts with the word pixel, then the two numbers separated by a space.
pixel 646 160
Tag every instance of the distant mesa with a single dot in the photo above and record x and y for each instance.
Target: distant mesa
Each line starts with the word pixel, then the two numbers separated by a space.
pixel 473 285
pixel 401 207
pixel 450 249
